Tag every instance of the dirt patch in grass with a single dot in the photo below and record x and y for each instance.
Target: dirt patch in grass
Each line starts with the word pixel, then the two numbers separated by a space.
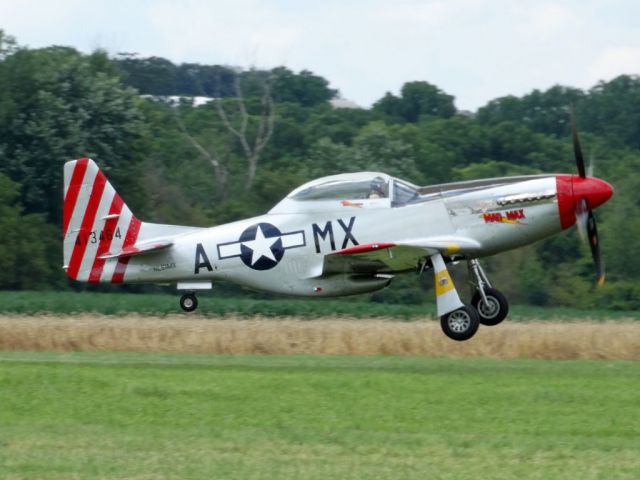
pixel 235 335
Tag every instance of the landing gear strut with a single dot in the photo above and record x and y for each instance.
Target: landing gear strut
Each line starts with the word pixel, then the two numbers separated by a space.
pixel 458 321
pixel 491 305
pixel 189 302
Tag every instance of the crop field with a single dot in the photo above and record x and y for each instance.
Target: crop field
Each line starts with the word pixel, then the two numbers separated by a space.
pixel 619 340
pixel 78 415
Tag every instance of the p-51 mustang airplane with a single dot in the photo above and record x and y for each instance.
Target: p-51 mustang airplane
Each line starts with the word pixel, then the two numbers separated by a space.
pixel 337 235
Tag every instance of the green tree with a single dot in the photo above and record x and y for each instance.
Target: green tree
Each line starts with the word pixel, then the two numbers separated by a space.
pixel 341 125
pixel 417 99
pixel 304 88
pixel 619 223
pixel 491 168
pixel 612 109
pixel 153 75
pixel 542 112
pixel 423 98
pixel 378 148
pixel 326 157
pixel 25 243
pixel 375 148
pixel 8 45
pixel 389 107
pixel 514 143
pixel 57 104
pixel 443 144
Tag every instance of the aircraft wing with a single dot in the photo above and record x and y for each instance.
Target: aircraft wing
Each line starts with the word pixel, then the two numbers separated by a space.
pixel 385 257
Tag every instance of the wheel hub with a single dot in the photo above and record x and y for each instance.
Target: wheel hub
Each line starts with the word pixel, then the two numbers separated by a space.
pixel 459 321
pixel 490 308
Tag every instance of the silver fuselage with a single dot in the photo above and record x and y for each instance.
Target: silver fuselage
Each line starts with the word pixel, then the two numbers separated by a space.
pixel 496 217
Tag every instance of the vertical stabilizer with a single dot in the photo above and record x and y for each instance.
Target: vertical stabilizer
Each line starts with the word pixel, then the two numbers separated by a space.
pixel 96 221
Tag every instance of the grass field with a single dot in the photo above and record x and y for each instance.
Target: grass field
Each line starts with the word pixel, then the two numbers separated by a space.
pixel 214 305
pixel 161 416
pixel 76 402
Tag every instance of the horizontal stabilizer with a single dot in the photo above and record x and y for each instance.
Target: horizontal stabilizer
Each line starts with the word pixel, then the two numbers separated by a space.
pixel 138 249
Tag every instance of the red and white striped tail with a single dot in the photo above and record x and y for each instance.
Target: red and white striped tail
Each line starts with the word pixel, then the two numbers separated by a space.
pixel 95 222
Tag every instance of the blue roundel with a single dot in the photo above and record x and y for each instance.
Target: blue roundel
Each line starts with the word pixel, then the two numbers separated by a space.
pixel 261 246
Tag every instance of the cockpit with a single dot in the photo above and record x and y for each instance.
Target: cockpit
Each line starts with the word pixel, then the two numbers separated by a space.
pixel 367 190
pixel 344 189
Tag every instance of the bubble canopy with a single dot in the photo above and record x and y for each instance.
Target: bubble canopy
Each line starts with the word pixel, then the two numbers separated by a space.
pixel 361 189
pixel 357 186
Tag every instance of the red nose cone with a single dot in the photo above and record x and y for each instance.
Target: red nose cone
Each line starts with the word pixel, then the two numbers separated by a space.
pixel 571 189
pixel 596 191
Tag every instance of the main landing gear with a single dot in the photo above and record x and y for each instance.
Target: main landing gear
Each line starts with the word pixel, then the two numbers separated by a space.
pixel 491 305
pixel 461 321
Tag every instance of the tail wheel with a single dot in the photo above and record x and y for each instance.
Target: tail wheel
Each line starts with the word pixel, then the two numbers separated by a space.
pixel 188 302
pixel 494 310
pixel 461 324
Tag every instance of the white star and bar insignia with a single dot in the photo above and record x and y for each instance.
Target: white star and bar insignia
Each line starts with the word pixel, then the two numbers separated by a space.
pixel 261 246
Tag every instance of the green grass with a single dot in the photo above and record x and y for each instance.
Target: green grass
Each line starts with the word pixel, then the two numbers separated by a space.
pixel 97 415
pixel 65 302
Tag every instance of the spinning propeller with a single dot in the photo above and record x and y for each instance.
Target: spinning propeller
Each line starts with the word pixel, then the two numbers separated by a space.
pixel 588 193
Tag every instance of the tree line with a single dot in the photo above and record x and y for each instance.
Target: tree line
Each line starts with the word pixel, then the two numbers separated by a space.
pixel 268 131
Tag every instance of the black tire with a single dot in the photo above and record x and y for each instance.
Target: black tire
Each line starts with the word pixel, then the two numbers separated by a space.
pixel 461 324
pixel 188 302
pixel 496 310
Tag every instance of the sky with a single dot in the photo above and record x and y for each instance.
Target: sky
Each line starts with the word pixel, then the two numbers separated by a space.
pixel 475 50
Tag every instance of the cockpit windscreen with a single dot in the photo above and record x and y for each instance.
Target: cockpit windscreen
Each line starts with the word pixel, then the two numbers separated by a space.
pixel 376 187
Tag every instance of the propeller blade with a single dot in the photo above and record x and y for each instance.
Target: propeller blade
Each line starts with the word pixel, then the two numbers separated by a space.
pixel 585 219
pixel 576 147
pixel 582 218
pixel 590 167
pixel 594 243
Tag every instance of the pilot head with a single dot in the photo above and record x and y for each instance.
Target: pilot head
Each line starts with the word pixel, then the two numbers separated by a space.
pixel 377 188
